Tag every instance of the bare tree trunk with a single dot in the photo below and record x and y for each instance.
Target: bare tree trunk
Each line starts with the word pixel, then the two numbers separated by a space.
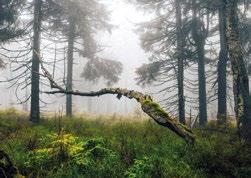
pixel 35 110
pixel 89 101
pixel 198 33
pixel 240 76
pixel 180 52
pixel 71 37
pixel 202 85
pixel 222 65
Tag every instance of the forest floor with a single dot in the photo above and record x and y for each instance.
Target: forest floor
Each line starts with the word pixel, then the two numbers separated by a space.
pixel 116 146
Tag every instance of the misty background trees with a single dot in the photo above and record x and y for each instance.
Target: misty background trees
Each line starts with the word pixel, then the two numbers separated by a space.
pixel 58 18
pixel 193 25
pixel 129 88
pixel 191 44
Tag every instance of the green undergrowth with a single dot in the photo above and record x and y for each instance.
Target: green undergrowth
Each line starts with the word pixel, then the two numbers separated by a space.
pixel 113 146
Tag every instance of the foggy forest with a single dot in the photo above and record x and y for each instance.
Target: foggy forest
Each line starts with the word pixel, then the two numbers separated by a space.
pixel 125 88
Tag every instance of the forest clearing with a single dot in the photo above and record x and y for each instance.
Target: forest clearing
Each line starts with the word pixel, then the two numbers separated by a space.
pixel 126 88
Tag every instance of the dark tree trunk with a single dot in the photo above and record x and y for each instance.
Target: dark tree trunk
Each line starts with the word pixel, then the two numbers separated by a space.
pixel 222 65
pixel 240 76
pixel 202 84
pixel 180 52
pixel 198 34
pixel 35 110
pixel 71 37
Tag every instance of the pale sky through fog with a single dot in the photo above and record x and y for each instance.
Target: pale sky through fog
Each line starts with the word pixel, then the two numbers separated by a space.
pixel 123 45
pixel 124 42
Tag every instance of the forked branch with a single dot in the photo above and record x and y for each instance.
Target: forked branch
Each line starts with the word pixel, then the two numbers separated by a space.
pixel 147 104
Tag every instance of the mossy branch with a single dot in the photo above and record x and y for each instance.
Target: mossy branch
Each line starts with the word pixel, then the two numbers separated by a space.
pixel 147 104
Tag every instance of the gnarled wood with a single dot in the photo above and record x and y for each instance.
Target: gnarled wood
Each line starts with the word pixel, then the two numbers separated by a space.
pixel 147 104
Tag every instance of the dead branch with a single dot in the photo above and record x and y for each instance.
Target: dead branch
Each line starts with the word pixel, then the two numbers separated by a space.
pixel 147 104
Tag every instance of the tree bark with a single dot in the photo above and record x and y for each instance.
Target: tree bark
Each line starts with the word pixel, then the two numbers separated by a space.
pixel 35 110
pixel 71 37
pixel 222 65
pixel 180 52
pixel 202 85
pixel 198 34
pixel 240 76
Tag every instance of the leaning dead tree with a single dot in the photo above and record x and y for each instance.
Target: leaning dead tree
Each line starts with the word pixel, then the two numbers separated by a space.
pixel 147 104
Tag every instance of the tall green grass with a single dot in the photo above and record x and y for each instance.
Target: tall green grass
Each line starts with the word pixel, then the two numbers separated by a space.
pixel 116 146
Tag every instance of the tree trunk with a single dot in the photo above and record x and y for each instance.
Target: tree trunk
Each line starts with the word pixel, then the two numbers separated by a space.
pixel 71 37
pixel 180 52
pixel 240 76
pixel 222 65
pixel 89 101
pixel 35 110
pixel 198 34
pixel 202 85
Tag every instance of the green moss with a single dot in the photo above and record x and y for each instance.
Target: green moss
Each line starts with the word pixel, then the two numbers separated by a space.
pixel 156 108
pixel 240 107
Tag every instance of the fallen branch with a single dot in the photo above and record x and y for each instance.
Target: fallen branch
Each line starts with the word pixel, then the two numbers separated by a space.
pixel 147 104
